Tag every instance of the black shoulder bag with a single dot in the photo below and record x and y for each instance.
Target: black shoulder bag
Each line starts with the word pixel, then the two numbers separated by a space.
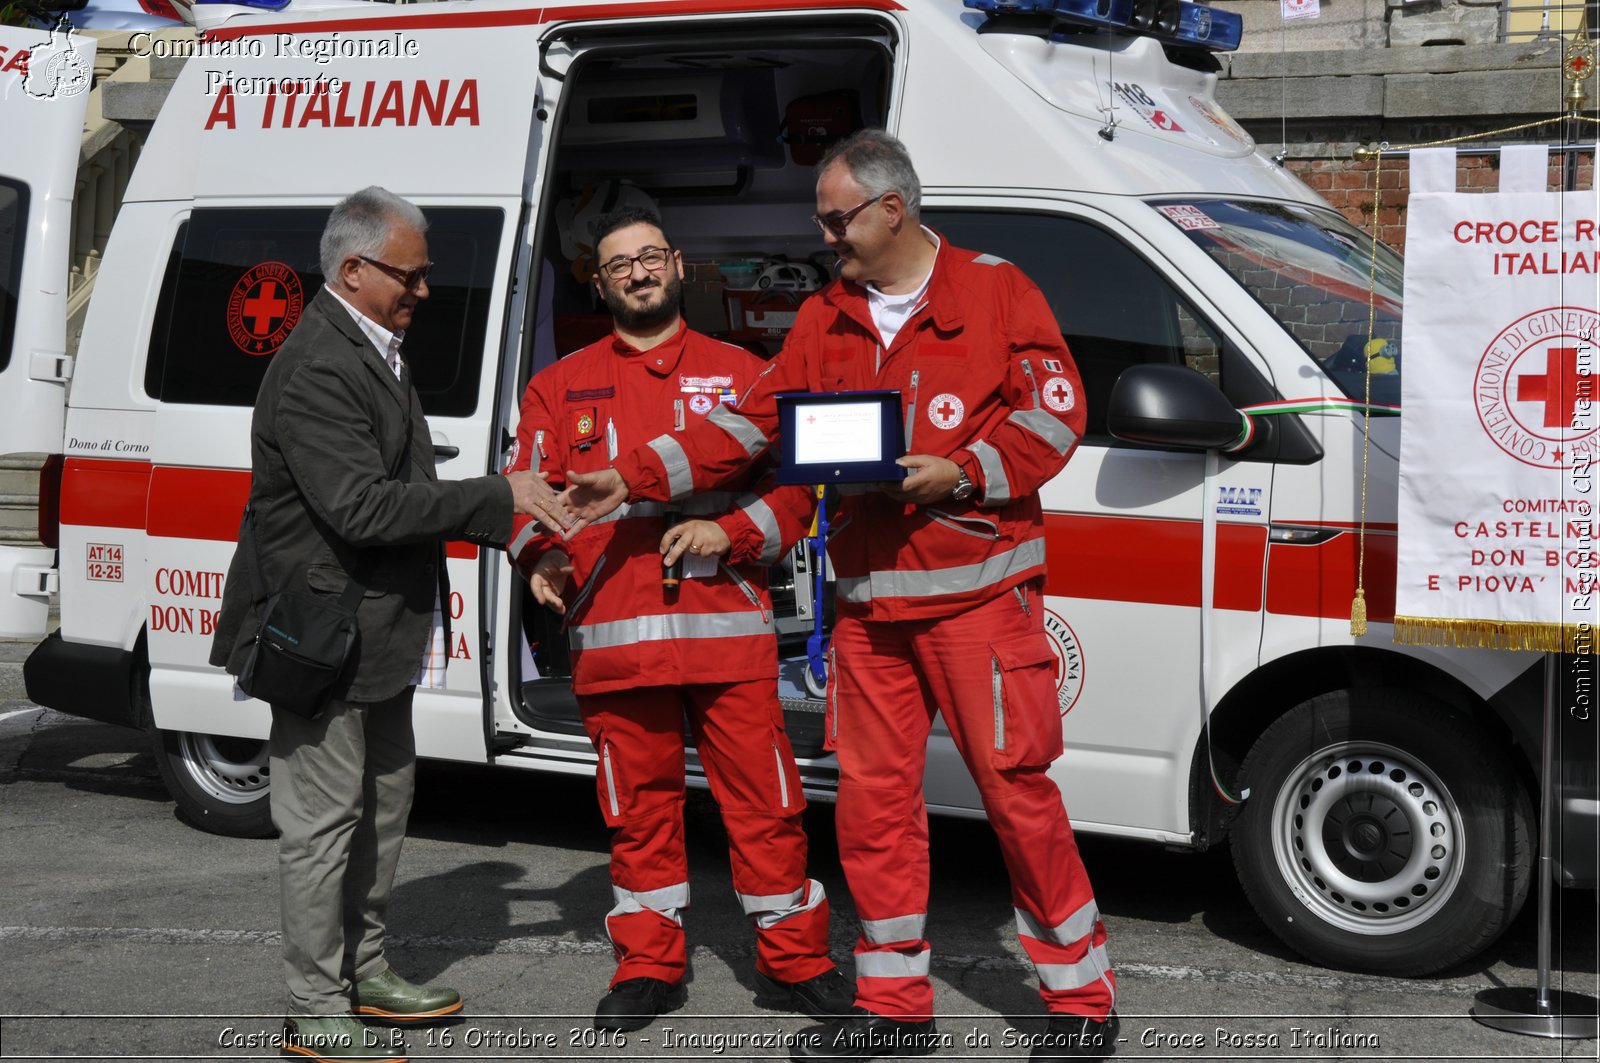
pixel 305 642
pixel 303 645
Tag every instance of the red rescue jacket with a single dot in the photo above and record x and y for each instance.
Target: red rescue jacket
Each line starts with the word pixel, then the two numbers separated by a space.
pixel 985 379
pixel 625 629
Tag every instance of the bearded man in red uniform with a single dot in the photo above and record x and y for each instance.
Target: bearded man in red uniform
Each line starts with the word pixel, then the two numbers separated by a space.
pixel 647 655
pixel 938 586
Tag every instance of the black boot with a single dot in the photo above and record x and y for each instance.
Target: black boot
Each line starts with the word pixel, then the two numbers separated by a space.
pixel 863 1034
pixel 634 1003
pixel 1076 1037
pixel 824 997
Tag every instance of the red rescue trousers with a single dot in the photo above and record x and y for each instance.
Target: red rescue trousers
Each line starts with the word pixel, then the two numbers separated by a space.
pixel 991 671
pixel 738 733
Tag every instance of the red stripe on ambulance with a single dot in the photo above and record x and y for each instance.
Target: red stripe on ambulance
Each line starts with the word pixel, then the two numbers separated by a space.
pixel 104 494
pixel 181 503
pixel 1157 562
pixel 1321 580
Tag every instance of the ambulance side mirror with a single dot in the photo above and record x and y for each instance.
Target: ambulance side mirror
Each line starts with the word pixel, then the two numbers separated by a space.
pixel 1171 406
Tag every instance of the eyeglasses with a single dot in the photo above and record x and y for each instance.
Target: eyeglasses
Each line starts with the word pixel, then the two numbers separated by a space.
pixel 838 222
pixel 654 259
pixel 409 278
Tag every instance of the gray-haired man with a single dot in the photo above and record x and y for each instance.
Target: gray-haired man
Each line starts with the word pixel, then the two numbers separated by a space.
pixel 343 483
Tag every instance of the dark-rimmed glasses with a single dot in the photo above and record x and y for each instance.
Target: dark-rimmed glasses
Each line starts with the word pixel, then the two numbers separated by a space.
pixel 409 278
pixel 653 259
pixel 838 222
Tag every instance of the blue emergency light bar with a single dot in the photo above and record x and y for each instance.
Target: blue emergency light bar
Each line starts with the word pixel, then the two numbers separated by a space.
pixel 1180 23
pixel 264 5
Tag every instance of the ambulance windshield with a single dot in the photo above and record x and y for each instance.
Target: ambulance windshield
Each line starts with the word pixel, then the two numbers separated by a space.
pixel 1313 272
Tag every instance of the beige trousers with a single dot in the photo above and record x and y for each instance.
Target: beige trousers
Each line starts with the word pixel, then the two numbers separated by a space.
pixel 341 794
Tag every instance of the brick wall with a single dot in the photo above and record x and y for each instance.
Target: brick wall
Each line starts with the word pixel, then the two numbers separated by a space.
pixel 1348 184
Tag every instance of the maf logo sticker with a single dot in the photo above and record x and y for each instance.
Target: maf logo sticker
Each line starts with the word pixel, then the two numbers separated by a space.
pixel 1239 501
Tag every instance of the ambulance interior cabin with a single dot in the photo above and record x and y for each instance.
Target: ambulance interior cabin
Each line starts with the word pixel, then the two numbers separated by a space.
pixel 720 136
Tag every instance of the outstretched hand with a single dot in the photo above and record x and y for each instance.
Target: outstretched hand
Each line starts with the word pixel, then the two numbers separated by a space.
pixel 592 495
pixel 530 495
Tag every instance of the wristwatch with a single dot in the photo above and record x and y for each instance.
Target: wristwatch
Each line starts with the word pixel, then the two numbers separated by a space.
pixel 963 488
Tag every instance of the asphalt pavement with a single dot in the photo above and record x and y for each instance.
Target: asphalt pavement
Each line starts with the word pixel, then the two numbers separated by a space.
pixel 127 933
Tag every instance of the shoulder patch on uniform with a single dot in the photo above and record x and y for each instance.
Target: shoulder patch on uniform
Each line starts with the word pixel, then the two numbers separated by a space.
pixel 990 260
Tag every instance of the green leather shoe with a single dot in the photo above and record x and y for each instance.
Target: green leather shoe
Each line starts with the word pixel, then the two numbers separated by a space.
pixel 339 1039
pixel 387 997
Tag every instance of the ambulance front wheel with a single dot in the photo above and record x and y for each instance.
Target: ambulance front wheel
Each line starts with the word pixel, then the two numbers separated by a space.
pixel 1383 832
pixel 220 784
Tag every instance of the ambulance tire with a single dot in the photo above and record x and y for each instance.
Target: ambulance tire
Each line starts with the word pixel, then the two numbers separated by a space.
pixel 221 785
pixel 1383 832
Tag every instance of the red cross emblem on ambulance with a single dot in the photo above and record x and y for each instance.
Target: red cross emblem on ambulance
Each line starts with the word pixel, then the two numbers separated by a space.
pixel 264 307
pixel 946 410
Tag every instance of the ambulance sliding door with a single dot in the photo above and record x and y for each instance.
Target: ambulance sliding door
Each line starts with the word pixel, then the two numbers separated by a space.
pixel 1124 525
pixel 437 108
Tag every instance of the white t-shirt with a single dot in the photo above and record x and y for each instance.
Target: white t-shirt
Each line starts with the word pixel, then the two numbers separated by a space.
pixel 891 312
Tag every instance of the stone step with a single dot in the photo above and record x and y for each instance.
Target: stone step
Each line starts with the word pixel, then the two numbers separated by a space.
pixel 18 524
pixel 19 497
pixel 19 475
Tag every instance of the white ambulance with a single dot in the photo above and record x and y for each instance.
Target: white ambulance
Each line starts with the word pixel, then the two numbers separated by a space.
pixel 1198 597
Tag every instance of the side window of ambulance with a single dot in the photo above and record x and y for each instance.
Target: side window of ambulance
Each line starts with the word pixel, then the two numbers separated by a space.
pixel 239 280
pixel 1114 308
pixel 13 230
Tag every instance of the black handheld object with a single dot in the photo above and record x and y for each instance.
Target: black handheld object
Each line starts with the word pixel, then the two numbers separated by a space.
pixel 672 574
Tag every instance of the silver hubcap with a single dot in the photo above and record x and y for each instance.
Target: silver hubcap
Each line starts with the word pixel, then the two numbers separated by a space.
pixel 232 770
pixel 1368 838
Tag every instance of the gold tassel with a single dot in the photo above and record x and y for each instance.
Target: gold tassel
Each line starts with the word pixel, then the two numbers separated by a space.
pixel 1358 613
pixel 1493 634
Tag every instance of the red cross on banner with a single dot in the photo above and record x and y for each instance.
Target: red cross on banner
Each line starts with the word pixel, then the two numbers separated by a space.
pixel 1560 388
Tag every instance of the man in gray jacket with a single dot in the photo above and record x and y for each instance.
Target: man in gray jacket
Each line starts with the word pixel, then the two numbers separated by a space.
pixel 343 484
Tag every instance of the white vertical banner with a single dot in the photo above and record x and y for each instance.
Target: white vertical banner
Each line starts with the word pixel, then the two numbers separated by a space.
pixel 1497 543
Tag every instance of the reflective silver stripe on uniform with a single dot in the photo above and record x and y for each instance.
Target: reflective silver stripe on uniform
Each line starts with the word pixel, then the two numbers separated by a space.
pixel 768 912
pixel 668 901
pixel 740 428
pixel 680 481
pixel 1046 427
pixel 1079 925
pixel 663 626
pixel 524 537
pixel 900 928
pixel 631 509
pixel 1068 975
pixel 996 569
pixel 705 504
pixel 996 488
pixel 893 964
pixel 989 260
pixel 766 521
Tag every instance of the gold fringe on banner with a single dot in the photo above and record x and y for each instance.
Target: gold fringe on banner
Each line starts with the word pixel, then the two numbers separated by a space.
pixel 1495 634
